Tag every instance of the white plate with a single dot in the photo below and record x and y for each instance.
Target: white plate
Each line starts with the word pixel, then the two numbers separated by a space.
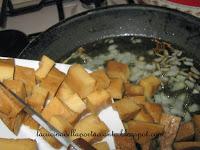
pixel 108 115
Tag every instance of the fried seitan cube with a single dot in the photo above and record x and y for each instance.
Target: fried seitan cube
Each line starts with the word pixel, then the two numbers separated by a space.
pixel 98 100
pixel 123 142
pixel 126 108
pixel 50 139
pixel 143 131
pixel 61 124
pixel 52 81
pixel 101 146
pixel 27 76
pixel 56 107
pixel 86 126
pixel 116 69
pixel 150 85
pixel 196 121
pixel 171 124
pixel 116 88
pixel 143 116
pixel 75 103
pixel 185 132
pixel 18 144
pixel 133 90
pixel 193 145
pixel 7 68
pixel 8 104
pixel 64 91
pixel 155 110
pixel 102 80
pixel 45 65
pixel 80 80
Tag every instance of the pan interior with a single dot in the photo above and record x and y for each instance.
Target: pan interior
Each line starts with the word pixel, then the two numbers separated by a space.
pixel 180 89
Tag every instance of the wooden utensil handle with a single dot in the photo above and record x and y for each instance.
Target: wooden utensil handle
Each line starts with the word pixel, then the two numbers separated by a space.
pixel 84 145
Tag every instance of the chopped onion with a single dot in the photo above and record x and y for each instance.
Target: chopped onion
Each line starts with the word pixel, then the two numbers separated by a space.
pixel 194 108
pixel 187 117
pixel 178 86
pixel 189 84
pixel 194 70
pixel 187 63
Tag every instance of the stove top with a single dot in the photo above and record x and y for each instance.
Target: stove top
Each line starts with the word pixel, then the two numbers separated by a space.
pixel 32 20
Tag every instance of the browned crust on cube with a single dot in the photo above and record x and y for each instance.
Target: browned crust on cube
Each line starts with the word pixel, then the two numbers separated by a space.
pixel 80 80
pixel 27 76
pixel 124 142
pixel 126 108
pixel 171 124
pixel 102 80
pixel 116 69
pixel 185 132
pixel 116 88
pixel 133 90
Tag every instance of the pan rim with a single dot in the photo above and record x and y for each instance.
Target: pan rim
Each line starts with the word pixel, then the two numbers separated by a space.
pixel 113 7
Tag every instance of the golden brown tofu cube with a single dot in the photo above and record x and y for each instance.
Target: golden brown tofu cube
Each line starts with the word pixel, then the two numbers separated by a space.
pixel 86 126
pixel 38 97
pixel 98 100
pixel 150 85
pixel 196 121
pixel 80 81
pixel 142 115
pixel 5 102
pixel 171 124
pixel 143 132
pixel 56 107
pixel 101 146
pixel 155 110
pixel 133 90
pixel 116 69
pixel 124 142
pixel 18 144
pixel 52 82
pixel 116 88
pixel 187 145
pixel 50 139
pixel 30 122
pixel 75 103
pixel 7 68
pixel 64 91
pixel 45 65
pixel 8 103
pixel 185 132
pixel 61 124
pixel 140 100
pixel 126 108
pixel 102 80
pixel 27 76
pixel 13 123
pixel 17 87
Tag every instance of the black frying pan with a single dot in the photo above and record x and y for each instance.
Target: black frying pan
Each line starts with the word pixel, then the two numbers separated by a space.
pixel 169 25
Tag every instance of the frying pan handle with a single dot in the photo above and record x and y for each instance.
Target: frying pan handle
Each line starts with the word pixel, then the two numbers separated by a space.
pixel 84 145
